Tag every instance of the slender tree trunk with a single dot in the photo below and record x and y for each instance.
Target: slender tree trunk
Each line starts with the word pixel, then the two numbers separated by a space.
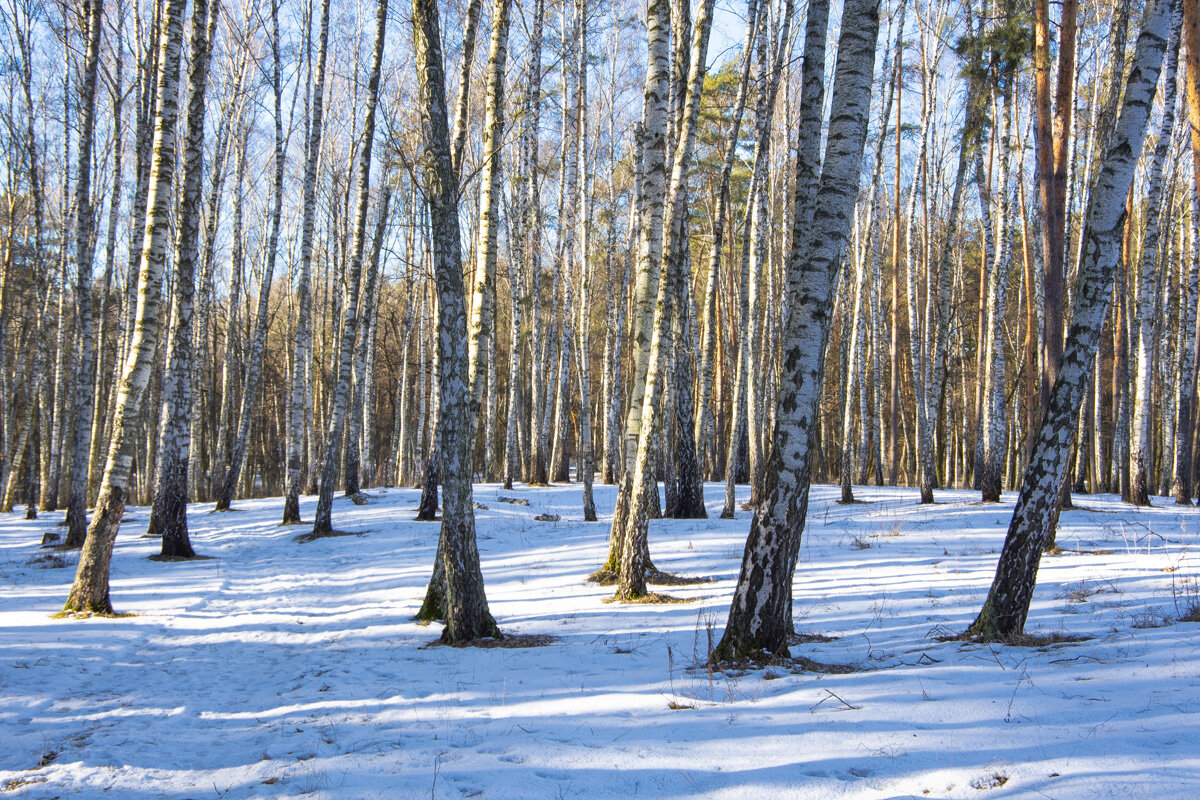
pixel 995 418
pixel 635 561
pixel 254 361
pixel 362 377
pixel 230 358
pixel 303 352
pixel 653 146
pixel 323 520
pixel 483 296
pixel 583 328
pixel 1142 422
pixel 1185 398
pixel 84 225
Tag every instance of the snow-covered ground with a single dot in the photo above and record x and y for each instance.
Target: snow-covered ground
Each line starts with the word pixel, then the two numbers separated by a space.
pixel 280 669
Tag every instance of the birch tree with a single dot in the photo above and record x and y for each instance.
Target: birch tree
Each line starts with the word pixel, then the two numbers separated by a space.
pixel 171 497
pixel 323 519
pixel 1140 454
pixel 759 617
pixel 90 591
pixel 466 609
pixel 635 561
pixel 254 359
pixel 84 225
pixel 302 354
pixel 1007 605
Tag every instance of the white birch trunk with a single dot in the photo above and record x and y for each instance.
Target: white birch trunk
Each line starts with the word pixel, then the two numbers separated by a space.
pixel 1007 606
pixel 303 351
pixel 759 618
pixel 90 590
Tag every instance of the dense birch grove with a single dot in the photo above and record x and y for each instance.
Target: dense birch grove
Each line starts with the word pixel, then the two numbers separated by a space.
pixel 284 247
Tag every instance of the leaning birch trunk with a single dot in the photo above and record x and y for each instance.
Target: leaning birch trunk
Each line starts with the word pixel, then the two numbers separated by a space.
pixel 1007 605
pixel 859 333
pixel 1147 284
pixel 303 351
pixel 646 281
pixel 323 519
pixel 458 134
pixel 84 224
pixel 171 496
pixel 688 491
pixel 759 616
pixel 254 361
pixel 466 607
pixel 90 590
pixel 635 552
pixel 99 405
pixel 483 298
pixel 807 163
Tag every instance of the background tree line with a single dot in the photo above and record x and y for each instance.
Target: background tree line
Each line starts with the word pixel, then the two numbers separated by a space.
pixel 240 260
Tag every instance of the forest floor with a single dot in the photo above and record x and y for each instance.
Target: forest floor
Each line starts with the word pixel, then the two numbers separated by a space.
pixel 282 669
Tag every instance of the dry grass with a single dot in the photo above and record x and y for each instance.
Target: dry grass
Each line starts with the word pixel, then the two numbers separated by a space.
pixel 607 577
pixel 993 781
pixel 670 579
pixel 173 559
pixel 313 536
pixel 652 599
pixel 510 641
pixel 48 561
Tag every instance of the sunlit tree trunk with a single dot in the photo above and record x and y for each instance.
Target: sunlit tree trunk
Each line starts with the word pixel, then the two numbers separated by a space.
pixel 705 428
pixel 635 552
pixel 90 590
pixel 254 359
pixel 483 296
pixel 653 145
pixel 323 519
pixel 1142 422
pixel 84 225
pixel 303 351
